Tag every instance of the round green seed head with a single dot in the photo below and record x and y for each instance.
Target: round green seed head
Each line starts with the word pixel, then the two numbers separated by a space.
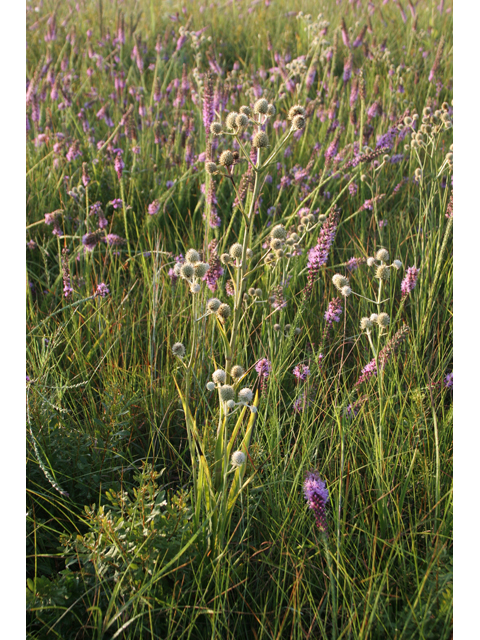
pixel 210 167
pixel 216 128
pixel 213 304
pixel 236 250
pixel 230 121
pixel 246 111
pixel 237 372
pixel 241 120
pixel 258 293
pixel 249 254
pixel 230 404
pixel 226 158
pixel 224 311
pixel 261 106
pixel 194 287
pixel 260 140
pixel 186 270
pixel 271 110
pixel 397 264
pixel 345 291
pixel 226 393
pixel 279 232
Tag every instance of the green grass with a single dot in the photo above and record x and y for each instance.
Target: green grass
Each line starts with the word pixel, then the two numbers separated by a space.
pixel 119 539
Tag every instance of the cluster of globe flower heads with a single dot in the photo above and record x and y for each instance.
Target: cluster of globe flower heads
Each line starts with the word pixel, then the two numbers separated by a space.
pixel 226 392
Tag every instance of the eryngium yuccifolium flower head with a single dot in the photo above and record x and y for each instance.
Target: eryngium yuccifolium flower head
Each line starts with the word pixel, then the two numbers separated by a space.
pixel 271 110
pixel 210 385
pixel 374 317
pixel 279 253
pixel 210 167
pixel 230 404
pixel 345 291
pixel 397 264
pixel 260 140
pixel 194 287
pixel 224 311
pixel 225 258
pixel 213 304
pixel 276 243
pixel 297 110
pixel 298 122
pixel 340 281
pixel 192 256
pixel 370 262
pixel 260 106
pixel 245 395
pixel 226 158
pixel 249 254
pixel 277 327
pixel 383 272
pixel 258 293
pixel 383 319
pixel 178 350
pixel 408 121
pixel 230 121
pixel 186 270
pixel 365 323
pixel 216 128
pixel 237 371
pixel 246 110
pixel 279 231
pixel 236 250
pixel 200 269
pixel 241 120
pixel 226 393
pixel 238 458
pixel 251 291
pixel 383 255
pixel 219 376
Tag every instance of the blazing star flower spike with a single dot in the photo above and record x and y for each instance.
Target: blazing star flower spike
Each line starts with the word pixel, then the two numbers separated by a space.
pixel 316 495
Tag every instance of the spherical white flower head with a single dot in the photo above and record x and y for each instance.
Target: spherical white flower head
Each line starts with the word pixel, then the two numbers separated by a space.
pixel 226 393
pixel 213 304
pixel 210 167
pixel 230 121
pixel 219 376
pixel 374 317
pixel 200 269
pixel 249 254
pixel 298 123
pixel 383 272
pixel 210 385
pixel 246 110
pixel 383 320
pixel 194 287
pixel 276 244
pixel 260 106
pixel 192 256
pixel 278 232
pixel 271 111
pixel 230 404
pixel 177 268
pixel 225 258
pixel 241 120
pixel 397 264
pixel 236 250
pixel 178 350
pixel 237 371
pixel 186 270
pixel 260 140
pixel 245 395
pixel 345 291
pixel 216 128
pixel 226 158
pixel 383 255
pixel 238 458
pixel 224 311
pixel 340 281
pixel 297 110
pixel 365 323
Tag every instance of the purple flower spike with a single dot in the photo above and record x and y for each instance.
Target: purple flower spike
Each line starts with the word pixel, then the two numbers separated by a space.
pixel 316 494
pixel 410 281
pixel 448 381
pixel 102 290
pixel 301 372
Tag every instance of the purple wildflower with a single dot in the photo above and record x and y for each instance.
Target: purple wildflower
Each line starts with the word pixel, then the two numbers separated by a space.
pixel 153 207
pixel 301 403
pixel 316 494
pixel 354 408
pixel 90 240
pixel 318 255
pixel 263 368
pixel 119 165
pixel 448 381
pixel 74 151
pixel 352 264
pixel 301 372
pixel 116 203
pixel 353 188
pixel 102 290
pixel 113 240
pixel 67 289
pixel 216 270
pixel 385 354
pixel 85 177
pixel 334 311
pixel 208 113
pixel 31 244
pixel 410 280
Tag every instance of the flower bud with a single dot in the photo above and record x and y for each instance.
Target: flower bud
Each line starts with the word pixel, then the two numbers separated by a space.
pixel 249 254
pixel 397 264
pixel 219 376
pixel 213 304
pixel 258 293
pixel 261 106
pixel 345 291
pixel 246 111
pixel 279 232
pixel 374 317
pixel 226 393
pixel 276 327
pixel 238 458
pixel 226 158
pixel 298 123
pixel 383 320
pixel 260 140
pixel 186 271
pixel 275 244
pixel 192 256
pixel 236 250
pixel 245 395
pixel 383 272
pixel 225 258
pixel 194 288
pixel 340 281
pixel 200 269
pixel 237 372
pixel 370 262
pixel 241 121
pixel 210 167
pixel 365 323
pixel 271 110
pixel 210 385
pixel 383 255
pixel 295 111
pixel 231 118
pixel 216 128
pixel 230 404
pixel 224 311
